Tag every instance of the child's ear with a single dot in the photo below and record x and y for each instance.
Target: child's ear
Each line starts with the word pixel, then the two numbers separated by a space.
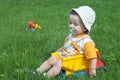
pixel 85 30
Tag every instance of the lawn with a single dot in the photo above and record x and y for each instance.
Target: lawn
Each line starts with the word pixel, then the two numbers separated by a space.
pixel 20 48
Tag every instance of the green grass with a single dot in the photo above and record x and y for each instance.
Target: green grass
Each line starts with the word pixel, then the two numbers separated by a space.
pixel 20 48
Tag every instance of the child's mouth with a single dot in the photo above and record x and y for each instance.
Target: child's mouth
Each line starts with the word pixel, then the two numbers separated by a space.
pixel 71 31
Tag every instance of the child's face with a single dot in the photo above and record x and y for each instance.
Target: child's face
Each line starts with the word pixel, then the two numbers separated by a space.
pixel 76 25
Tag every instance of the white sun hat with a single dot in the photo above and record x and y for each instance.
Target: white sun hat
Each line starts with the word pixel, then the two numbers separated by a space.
pixel 87 15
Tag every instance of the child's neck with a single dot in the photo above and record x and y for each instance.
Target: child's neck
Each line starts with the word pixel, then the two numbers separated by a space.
pixel 78 35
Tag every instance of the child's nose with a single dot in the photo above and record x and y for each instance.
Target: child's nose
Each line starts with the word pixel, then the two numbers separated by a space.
pixel 71 26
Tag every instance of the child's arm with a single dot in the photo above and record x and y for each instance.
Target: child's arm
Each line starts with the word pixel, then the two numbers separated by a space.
pixel 92 67
pixel 90 54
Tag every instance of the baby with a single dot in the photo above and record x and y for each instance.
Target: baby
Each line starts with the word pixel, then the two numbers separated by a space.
pixel 77 42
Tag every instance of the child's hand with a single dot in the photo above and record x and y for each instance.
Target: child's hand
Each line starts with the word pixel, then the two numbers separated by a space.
pixel 92 73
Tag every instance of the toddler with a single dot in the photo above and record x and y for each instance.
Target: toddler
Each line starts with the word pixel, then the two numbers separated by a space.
pixel 77 42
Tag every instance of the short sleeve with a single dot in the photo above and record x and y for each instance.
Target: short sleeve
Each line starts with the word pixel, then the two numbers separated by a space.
pixel 89 50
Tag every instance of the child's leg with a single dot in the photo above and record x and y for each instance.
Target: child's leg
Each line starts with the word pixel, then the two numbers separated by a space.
pixel 47 64
pixel 55 70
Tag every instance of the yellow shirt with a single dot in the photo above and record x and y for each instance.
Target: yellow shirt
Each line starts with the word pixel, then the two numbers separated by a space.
pixel 83 44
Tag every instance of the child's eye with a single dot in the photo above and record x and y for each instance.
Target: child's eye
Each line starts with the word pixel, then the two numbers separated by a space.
pixel 75 24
